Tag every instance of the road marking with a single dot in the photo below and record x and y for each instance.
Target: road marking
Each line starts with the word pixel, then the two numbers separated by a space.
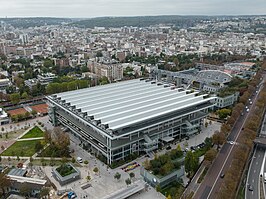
pixel 255 171
pixel 256 162
pixel 259 155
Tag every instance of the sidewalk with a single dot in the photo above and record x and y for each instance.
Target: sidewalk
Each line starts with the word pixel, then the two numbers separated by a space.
pixel 193 185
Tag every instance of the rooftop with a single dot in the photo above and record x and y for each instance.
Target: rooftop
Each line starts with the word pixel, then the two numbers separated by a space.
pixel 125 103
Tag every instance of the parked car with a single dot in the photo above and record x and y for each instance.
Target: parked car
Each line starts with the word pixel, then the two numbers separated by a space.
pixel 222 175
pixel 168 148
pixel 79 159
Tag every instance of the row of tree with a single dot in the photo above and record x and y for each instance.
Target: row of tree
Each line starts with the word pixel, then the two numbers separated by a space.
pixel 233 176
pixel 66 86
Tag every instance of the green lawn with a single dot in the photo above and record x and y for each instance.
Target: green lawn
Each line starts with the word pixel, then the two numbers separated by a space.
pixel 35 132
pixel 21 148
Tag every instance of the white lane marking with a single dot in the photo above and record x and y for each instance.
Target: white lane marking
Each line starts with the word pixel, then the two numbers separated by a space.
pixel 255 171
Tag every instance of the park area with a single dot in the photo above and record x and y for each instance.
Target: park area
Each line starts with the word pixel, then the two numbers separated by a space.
pixel 22 148
pixel 35 132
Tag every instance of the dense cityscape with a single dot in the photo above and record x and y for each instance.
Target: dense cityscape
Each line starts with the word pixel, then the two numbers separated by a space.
pixel 133 107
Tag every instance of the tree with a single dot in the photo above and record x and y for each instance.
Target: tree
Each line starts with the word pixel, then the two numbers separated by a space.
pixel 4 183
pixel 131 175
pixel 38 146
pixel 86 162
pixel 218 138
pixel 191 163
pixel 210 155
pixel 33 112
pixel 59 142
pixel 147 164
pixel 99 54
pixel 95 170
pixel 117 176
pixel 44 192
pixel 15 97
pixel 178 148
pixel 73 160
pixel 25 190
pixel 223 113
pixel 64 160
pixel 88 178
pixel 128 181
pixel 158 188
pixel 25 95
pixel 169 196
pixel 208 142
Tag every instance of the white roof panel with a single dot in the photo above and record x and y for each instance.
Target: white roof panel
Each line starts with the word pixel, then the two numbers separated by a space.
pixel 125 103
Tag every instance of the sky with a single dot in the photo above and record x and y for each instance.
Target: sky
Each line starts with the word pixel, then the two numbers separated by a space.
pixel 98 8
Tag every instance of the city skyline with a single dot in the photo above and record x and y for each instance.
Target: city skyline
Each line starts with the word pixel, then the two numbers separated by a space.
pixel 99 8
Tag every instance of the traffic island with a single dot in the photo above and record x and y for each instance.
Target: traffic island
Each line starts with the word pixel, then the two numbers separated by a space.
pixel 66 174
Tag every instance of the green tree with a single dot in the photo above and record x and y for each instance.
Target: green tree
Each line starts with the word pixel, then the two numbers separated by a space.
pixel 223 113
pixel 33 112
pixel 131 175
pixel 44 192
pixel 25 190
pixel 191 163
pixel 158 188
pixel 38 146
pixel 25 95
pixel 104 80
pixel 178 148
pixel 128 181
pixel 95 170
pixel 117 176
pixel 88 178
pixel 99 54
pixel 15 97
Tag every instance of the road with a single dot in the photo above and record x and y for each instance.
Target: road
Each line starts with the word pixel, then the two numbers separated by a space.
pixel 257 168
pixel 212 182
pixel 254 171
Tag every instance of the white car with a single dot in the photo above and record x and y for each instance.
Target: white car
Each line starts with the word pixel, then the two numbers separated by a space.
pixel 248 110
pixel 79 159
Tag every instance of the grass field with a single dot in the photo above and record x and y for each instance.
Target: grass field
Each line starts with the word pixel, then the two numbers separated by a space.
pixel 21 148
pixel 35 132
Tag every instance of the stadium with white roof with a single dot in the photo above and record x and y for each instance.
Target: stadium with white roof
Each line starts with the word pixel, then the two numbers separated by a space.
pixel 134 116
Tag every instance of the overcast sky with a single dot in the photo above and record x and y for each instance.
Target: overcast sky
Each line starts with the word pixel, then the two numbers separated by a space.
pixel 97 8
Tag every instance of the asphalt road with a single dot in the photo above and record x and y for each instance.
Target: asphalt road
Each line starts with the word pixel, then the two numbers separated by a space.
pixel 212 182
pixel 253 177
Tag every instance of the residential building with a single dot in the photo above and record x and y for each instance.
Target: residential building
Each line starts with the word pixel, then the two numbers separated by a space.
pixel 3 117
